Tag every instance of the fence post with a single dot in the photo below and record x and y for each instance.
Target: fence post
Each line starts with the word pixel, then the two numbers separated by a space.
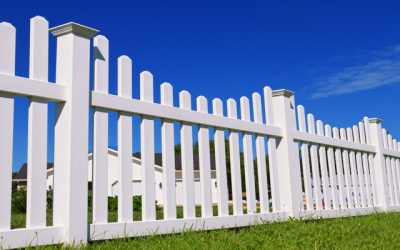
pixel 71 132
pixel 378 169
pixel 287 153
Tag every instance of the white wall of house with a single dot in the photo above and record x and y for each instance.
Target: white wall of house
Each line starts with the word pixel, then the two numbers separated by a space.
pixel 113 185
pixel 50 178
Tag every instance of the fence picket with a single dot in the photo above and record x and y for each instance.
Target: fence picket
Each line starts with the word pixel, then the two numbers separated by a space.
pixel 7 66
pixel 37 127
pixel 100 134
pixel 305 159
pixel 204 161
pixel 359 166
pixel 396 180
pixel 168 155
pixel 339 168
pixel 365 165
pixel 187 160
pixel 393 171
pixel 147 151
pixel 272 155
pixel 346 167
pixel 261 160
pixel 315 165
pixel 324 171
pixel 395 166
pixel 388 167
pixel 332 171
pixel 248 159
pixel 220 160
pixel 124 143
pixel 353 169
pixel 234 155
pixel 395 175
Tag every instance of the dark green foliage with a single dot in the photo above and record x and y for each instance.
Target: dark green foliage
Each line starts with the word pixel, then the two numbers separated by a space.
pixel 50 199
pixel 137 203
pixel 18 200
pixel 228 166
pixel 113 203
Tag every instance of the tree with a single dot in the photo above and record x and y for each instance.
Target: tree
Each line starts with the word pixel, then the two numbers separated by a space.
pixel 228 166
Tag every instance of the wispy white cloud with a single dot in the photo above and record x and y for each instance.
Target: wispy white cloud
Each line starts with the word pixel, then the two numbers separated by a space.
pixel 381 69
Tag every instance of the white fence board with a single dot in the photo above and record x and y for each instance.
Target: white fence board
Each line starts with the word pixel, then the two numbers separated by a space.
pixel 393 171
pixel 315 165
pixel 168 155
pixel 21 238
pixel 128 105
pixel 248 159
pixel 100 134
pixel 137 229
pixel 204 161
pixel 7 66
pixel 353 169
pixel 147 150
pixel 234 154
pixel 349 145
pixel 37 127
pixel 332 170
pixel 261 160
pixel 397 163
pixel 187 160
pixel 220 162
pixel 346 167
pixel 388 168
pixel 324 169
pixel 339 169
pixel 124 143
pixel 305 160
pixel 31 88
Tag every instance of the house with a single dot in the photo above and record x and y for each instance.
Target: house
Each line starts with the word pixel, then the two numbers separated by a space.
pixel 113 185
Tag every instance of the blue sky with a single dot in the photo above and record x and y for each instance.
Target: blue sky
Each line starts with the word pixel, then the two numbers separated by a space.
pixel 342 58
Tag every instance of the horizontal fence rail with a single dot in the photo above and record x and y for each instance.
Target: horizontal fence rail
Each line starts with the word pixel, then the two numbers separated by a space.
pixel 238 163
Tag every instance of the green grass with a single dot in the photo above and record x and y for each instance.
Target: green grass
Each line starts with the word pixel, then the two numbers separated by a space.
pixel 377 231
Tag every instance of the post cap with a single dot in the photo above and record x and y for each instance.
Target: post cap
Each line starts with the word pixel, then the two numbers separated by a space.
pixel 375 120
pixel 74 28
pixel 284 92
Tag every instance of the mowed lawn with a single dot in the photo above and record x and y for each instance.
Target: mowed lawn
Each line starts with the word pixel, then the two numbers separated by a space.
pixel 377 231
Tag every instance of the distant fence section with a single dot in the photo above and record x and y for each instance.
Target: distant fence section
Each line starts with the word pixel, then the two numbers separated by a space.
pixel 292 165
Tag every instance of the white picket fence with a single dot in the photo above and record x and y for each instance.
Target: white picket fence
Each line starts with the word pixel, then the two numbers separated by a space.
pixel 314 170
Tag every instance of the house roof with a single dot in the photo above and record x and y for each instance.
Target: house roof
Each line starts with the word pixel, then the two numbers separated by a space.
pixel 22 173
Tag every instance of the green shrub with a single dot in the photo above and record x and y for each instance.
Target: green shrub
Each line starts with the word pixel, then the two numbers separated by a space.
pixel 49 199
pixel 137 203
pixel 113 203
pixel 18 200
